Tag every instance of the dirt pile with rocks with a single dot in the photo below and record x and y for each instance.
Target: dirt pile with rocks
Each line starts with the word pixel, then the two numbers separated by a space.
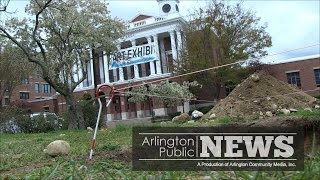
pixel 259 96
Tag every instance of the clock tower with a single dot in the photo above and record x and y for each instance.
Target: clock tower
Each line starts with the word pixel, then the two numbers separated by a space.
pixel 168 7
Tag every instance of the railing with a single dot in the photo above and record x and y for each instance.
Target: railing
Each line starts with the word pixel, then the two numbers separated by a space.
pixel 144 22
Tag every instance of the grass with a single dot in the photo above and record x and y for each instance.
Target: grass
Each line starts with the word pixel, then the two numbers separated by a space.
pixel 22 157
pixel 303 113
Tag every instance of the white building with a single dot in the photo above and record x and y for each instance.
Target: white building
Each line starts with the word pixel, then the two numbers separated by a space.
pixel 147 52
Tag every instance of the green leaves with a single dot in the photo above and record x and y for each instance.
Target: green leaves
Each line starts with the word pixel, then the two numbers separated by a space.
pixel 166 92
pixel 222 34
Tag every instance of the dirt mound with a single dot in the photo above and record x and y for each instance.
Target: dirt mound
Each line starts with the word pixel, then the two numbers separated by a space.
pixel 258 94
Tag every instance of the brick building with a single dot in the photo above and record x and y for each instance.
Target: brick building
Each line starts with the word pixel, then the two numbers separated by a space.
pixel 304 72
pixel 147 53
pixel 34 93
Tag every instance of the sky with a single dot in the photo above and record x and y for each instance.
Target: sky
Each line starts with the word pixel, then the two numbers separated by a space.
pixel 292 24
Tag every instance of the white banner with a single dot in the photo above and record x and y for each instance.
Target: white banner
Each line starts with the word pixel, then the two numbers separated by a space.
pixel 132 55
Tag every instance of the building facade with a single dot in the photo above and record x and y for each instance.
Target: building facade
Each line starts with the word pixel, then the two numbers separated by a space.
pixel 304 72
pixel 32 89
pixel 147 52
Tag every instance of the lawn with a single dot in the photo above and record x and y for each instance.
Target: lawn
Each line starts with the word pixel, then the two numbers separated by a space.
pixel 22 157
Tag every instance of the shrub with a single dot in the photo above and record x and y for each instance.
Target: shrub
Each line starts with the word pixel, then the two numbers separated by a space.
pixel 174 114
pixel 45 123
pixel 10 119
pixel 90 110
pixel 16 120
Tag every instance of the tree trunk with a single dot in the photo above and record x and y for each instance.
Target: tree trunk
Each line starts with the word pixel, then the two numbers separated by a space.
pixel 76 119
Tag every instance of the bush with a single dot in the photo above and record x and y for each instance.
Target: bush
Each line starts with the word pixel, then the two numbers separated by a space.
pixel 174 114
pixel 43 123
pixel 16 120
pixel 10 119
pixel 90 110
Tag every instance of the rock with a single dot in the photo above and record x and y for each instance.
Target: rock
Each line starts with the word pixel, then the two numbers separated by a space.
pixel 261 113
pixel 62 135
pixel 184 117
pixel 212 116
pixel 285 111
pixel 57 148
pixel 191 121
pixel 207 178
pixel 312 102
pixel 317 107
pixel 196 114
pixel 163 122
pixel 269 114
pixel 293 110
pixel 268 98
pixel 89 129
pixel 308 109
pixel 274 106
pixel 260 117
pixel 255 77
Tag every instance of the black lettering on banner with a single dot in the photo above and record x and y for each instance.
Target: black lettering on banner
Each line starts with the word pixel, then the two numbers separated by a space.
pixel 148 50
pixel 139 51
pixel 129 53
pixel 134 52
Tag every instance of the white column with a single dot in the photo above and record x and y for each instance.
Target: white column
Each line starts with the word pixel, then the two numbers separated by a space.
pixel 136 69
pixel 115 75
pixel 106 67
pixel 91 68
pixel 121 78
pixel 179 42
pixel 163 56
pixel 151 63
pixel 173 46
pixel 156 46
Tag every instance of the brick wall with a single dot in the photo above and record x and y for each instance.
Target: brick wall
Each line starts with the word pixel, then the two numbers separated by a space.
pixel 305 69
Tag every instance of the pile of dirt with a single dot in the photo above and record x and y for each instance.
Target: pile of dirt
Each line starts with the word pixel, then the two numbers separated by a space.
pixel 258 94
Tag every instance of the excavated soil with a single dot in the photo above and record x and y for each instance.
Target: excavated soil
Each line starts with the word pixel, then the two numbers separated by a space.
pixel 258 94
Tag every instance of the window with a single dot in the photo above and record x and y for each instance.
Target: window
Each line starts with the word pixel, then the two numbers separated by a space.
pixel 111 78
pixel 24 95
pixel 317 76
pixel 6 101
pixel 46 108
pixel 46 88
pixel 294 78
pixel 24 80
pixel 36 88
pixel 88 81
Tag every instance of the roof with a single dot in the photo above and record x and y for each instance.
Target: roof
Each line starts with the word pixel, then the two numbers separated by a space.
pixel 140 17
pixel 302 58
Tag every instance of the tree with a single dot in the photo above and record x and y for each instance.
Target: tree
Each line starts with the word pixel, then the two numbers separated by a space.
pixel 222 34
pixel 59 39
pixel 165 92
pixel 4 5
pixel 13 67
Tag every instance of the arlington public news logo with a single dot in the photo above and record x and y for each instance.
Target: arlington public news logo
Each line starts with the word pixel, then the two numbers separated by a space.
pixel 211 148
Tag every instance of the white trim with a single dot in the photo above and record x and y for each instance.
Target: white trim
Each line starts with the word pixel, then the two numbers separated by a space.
pixel 141 79
pixel 303 58
pixel 83 88
pixel 316 67
pixel 292 71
